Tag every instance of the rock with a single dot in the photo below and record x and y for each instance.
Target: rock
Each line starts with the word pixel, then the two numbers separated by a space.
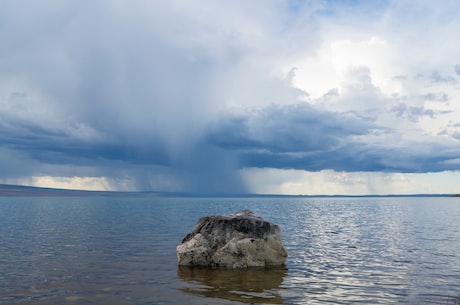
pixel 238 240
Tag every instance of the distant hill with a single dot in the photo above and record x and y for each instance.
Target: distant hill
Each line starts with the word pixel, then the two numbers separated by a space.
pixel 7 190
pixel 31 191
pixel 28 191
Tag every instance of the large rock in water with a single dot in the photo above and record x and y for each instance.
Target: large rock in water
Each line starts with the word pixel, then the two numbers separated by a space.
pixel 239 240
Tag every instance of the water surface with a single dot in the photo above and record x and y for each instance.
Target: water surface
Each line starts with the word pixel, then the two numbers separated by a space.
pixel 121 250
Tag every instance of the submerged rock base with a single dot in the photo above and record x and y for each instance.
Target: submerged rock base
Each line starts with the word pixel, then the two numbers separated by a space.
pixel 238 240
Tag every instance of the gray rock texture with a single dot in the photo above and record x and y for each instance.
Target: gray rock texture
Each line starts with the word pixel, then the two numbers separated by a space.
pixel 238 240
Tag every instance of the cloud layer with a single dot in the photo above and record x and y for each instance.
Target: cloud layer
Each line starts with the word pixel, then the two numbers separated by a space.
pixel 180 95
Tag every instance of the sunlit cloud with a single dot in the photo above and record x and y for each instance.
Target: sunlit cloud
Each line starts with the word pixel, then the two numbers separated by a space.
pixel 186 96
pixel 327 182
pixel 75 183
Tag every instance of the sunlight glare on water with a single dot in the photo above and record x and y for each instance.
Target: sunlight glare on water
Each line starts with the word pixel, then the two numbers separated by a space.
pixel 121 250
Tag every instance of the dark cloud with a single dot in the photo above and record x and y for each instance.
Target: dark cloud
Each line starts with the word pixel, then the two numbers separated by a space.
pixel 113 89
pixel 300 136
pixel 412 113
pixel 170 95
pixel 295 128
pixel 437 77
pixel 457 69
pixel 436 97
pixel 456 135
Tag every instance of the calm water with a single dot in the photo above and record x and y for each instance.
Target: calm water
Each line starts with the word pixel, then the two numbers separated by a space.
pixel 111 250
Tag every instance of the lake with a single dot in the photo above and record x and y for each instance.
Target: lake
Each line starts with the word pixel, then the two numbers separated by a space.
pixel 121 250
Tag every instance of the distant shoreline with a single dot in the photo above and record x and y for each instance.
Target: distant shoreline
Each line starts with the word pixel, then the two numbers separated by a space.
pixel 7 190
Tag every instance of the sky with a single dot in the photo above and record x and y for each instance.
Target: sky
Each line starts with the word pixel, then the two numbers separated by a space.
pixel 265 96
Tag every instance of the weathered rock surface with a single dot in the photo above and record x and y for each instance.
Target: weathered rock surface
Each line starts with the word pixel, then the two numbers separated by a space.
pixel 239 240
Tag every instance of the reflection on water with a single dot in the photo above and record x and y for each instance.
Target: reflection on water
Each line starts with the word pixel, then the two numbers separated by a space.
pixel 252 286
pixel 121 251
pixel 372 251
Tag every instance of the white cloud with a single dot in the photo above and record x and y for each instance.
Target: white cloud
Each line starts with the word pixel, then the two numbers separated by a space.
pixel 329 67
pixel 72 183
pixel 328 182
pixel 153 91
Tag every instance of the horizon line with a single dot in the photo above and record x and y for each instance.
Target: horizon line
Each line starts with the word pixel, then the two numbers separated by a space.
pixel 13 190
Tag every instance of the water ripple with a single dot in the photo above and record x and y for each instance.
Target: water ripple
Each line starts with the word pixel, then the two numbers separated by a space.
pixel 122 251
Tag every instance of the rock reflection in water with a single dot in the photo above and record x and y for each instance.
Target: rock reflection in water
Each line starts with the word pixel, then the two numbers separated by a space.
pixel 252 286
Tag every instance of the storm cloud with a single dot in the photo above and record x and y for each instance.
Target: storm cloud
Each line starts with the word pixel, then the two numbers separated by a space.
pixel 179 95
